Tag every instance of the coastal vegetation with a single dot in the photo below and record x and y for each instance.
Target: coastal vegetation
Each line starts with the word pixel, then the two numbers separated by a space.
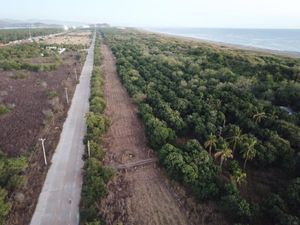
pixel 11 177
pixel 224 122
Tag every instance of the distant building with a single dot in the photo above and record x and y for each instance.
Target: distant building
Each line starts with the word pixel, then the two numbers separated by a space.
pixel 102 25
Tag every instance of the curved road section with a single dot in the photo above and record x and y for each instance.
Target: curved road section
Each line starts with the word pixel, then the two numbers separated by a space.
pixel 58 202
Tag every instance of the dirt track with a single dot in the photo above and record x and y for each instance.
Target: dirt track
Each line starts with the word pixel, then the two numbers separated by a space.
pixel 140 195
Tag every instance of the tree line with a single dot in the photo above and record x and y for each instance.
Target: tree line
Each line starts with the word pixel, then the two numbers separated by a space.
pixel 8 35
pixel 96 175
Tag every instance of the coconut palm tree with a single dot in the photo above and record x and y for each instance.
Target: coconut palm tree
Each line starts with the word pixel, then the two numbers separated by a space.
pixel 239 177
pixel 237 137
pixel 224 154
pixel 211 142
pixel 249 151
pixel 259 116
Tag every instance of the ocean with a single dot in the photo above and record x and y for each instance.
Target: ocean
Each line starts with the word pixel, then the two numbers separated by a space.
pixel 273 39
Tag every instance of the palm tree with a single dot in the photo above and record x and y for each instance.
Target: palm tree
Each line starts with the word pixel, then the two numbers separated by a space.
pixel 237 136
pixel 273 115
pixel 249 151
pixel 224 153
pixel 259 116
pixel 239 177
pixel 211 142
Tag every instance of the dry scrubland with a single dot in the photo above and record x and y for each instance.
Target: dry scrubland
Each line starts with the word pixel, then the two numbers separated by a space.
pixel 33 79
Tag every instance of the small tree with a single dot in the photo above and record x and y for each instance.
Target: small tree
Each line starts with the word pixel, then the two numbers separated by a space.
pixel 238 178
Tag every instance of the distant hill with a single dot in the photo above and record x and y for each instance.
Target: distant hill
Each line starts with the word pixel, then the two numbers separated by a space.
pixel 7 23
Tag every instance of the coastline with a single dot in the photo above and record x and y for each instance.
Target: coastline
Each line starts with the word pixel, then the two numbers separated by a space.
pixel 225 45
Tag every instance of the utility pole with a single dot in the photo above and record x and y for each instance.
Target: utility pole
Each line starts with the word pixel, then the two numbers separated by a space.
pixel 67 97
pixel 44 152
pixel 89 150
pixel 76 75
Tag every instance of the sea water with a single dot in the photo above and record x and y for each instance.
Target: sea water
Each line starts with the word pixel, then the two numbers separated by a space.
pixel 273 39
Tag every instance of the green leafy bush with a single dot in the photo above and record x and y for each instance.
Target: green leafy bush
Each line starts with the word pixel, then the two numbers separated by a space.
pixel 96 176
pixel 3 109
pixel 4 206
pixel 52 94
pixel 278 212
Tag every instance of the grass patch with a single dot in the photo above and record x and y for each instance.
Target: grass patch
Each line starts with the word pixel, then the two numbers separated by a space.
pixel 19 76
pixel 51 94
pixel 3 109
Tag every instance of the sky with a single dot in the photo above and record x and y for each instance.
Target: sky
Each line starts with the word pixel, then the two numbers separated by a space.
pixel 160 13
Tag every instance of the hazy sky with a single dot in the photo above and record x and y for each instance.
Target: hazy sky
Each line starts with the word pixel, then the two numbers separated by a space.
pixel 162 13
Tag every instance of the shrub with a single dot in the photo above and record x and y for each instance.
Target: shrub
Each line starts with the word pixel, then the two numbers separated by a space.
pixel 293 195
pixel 95 178
pixel 277 211
pixel 3 109
pixel 237 207
pixel 97 105
pixel 96 150
pixel 4 206
pixel 11 167
pixel 19 76
pixel 96 175
pixel 10 65
pixel 96 126
pixel 196 170
pixel 52 94
pixel 96 222
pixel 88 213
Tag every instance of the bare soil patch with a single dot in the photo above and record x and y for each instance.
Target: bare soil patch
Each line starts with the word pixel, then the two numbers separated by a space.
pixel 75 38
pixel 143 194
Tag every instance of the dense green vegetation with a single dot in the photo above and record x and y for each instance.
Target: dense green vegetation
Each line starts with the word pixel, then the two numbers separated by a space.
pixel 19 57
pixel 7 35
pixel 224 122
pixel 35 57
pixel 96 175
pixel 11 170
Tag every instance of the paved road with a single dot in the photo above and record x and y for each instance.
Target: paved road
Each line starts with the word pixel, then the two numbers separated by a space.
pixel 58 202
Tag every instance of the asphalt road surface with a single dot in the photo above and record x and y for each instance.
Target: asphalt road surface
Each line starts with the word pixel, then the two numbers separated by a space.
pixel 58 202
